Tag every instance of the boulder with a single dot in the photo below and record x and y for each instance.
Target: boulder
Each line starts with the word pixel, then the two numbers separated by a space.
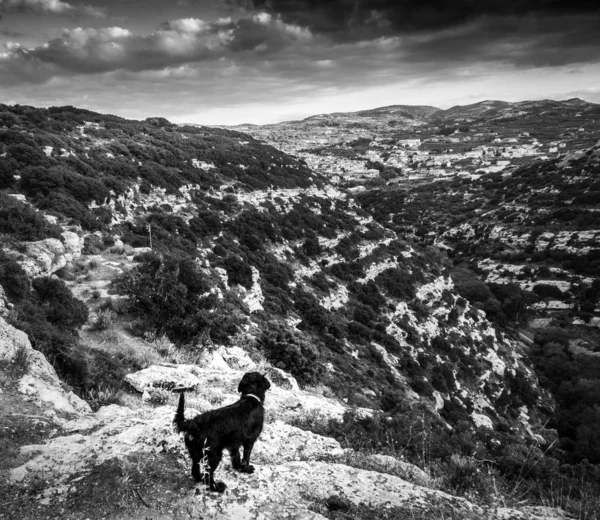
pixel 164 376
pixel 73 244
pixel 282 379
pixel 44 257
pixel 237 358
pixel 393 466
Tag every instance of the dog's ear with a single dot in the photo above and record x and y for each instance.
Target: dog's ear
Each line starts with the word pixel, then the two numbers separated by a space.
pixel 264 383
pixel 242 384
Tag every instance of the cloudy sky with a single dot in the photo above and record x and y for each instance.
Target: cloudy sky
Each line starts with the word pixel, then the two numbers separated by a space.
pixel 260 61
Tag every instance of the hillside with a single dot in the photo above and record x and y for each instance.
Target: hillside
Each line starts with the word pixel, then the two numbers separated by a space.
pixel 127 245
pixel 533 237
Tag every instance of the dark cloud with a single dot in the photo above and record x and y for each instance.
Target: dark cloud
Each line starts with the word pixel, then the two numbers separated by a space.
pixel 183 41
pixel 362 19
pixel 526 41
pixel 11 34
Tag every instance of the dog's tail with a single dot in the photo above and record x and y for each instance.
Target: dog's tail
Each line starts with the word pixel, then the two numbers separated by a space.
pixel 179 421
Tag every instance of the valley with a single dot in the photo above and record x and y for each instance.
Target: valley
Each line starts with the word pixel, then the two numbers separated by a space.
pixel 426 279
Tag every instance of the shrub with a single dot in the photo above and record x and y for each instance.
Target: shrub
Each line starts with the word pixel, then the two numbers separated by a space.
pixel 23 223
pixel 104 320
pixel 13 278
pixel 548 291
pixel 238 271
pixel 311 246
pixel 291 351
pixel 61 308
pixel 92 244
pixel 309 309
pixel 171 295
pixel 397 283
pixel 160 396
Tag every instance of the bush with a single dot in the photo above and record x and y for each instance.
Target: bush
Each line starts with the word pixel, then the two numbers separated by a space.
pixel 292 352
pixel 61 308
pixel 172 296
pixel 397 282
pixel 548 291
pixel 238 271
pixel 104 320
pixel 13 279
pixel 21 222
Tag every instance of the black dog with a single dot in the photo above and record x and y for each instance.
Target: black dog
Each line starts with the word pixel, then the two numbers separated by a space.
pixel 238 424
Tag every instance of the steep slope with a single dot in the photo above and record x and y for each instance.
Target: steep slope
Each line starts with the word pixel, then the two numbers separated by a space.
pixel 532 235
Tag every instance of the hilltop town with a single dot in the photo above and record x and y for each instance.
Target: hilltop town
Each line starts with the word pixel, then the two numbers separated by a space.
pixel 395 144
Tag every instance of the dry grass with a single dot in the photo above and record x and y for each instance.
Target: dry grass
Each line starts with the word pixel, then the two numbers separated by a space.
pixel 21 358
pixel 119 344
pixel 104 320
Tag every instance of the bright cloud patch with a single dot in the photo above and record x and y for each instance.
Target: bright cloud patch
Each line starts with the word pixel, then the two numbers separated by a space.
pixel 48 6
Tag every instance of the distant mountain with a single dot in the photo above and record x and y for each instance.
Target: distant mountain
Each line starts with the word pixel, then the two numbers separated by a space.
pixel 340 129
pixel 475 110
pixel 411 111
pixel 492 110
pixel 388 113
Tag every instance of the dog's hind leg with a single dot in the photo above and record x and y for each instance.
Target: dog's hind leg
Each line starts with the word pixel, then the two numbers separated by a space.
pixel 197 455
pixel 214 458
pixel 246 466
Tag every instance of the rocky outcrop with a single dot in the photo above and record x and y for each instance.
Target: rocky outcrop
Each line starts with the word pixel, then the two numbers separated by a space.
pixel 217 387
pixel 40 382
pixel 44 257
pixel 290 473
pixel 295 469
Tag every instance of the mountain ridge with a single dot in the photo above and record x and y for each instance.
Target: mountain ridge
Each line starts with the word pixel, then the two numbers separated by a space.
pixel 425 111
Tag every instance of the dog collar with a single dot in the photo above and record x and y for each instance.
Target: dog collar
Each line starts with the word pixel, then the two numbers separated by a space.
pixel 252 395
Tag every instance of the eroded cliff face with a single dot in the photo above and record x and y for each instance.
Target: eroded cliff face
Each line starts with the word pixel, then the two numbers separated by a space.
pixel 38 380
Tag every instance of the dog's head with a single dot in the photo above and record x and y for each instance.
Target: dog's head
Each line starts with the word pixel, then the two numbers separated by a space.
pixel 254 383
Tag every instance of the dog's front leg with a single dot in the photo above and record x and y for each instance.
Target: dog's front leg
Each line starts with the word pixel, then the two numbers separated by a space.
pixel 236 460
pixel 246 466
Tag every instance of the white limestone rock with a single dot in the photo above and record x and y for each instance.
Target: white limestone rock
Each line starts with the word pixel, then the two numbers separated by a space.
pixel 11 341
pixel 391 465
pixel 280 442
pixel 44 257
pixel 164 376
pixel 237 358
pixel 40 382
